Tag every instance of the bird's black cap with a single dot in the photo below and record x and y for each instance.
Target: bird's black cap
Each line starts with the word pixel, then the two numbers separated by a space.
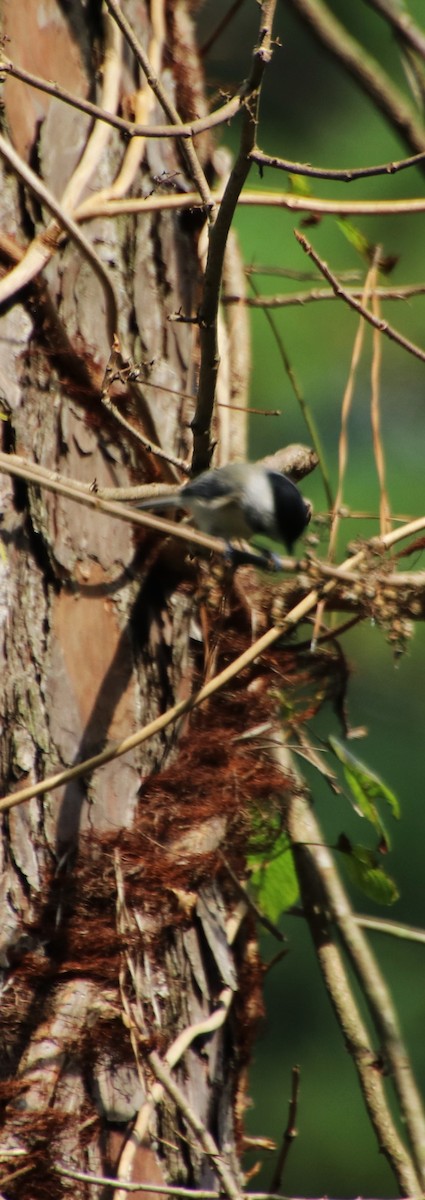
pixel 292 512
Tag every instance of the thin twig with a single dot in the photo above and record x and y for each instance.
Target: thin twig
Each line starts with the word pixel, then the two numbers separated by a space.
pixel 322 893
pixel 396 929
pixel 220 27
pixel 345 414
pixel 96 207
pixel 143 102
pixel 290 621
pixel 343 446
pixel 151 447
pixel 375 420
pixel 205 1139
pixel 201 424
pixel 288 300
pixel 380 1005
pixel 350 276
pixel 33 472
pixel 261 917
pixel 415 580
pixel 289 1134
pixel 12 1175
pixel 300 398
pixel 402 22
pixel 364 69
pixel 225 113
pixel 188 129
pixel 99 137
pixel 341 208
pixel 376 322
pixel 11 465
pixel 44 244
pixel 339 174
pixel 99 499
pixel 179 395
pixel 32 181
pixel 181 201
pixel 88 496
pixel 162 1189
pixel 189 154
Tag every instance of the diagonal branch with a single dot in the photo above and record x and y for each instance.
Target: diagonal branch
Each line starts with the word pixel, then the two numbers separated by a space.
pixel 322 894
pixel 301 401
pixel 290 621
pixel 229 1184
pixel 32 181
pixel 131 129
pixel 364 69
pixel 188 150
pixel 402 23
pixel 219 230
pixel 345 413
pixel 376 322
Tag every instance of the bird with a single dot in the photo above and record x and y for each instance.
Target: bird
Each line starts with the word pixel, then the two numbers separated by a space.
pixel 239 501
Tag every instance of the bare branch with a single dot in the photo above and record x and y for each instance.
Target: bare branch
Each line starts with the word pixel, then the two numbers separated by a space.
pixel 82 494
pixel 375 419
pixel 191 158
pixel 162 1189
pixel 310 204
pixel 302 402
pixel 32 472
pixel 119 370
pixel 345 413
pixel 364 69
pixel 402 22
pixel 289 1133
pixel 397 929
pixel 201 424
pixel 322 892
pixel 287 300
pixel 42 247
pixel 32 181
pixel 289 621
pixel 222 24
pixel 376 322
pixel 187 129
pixel 343 174
pixel 100 134
pixel 263 199
pixel 227 1179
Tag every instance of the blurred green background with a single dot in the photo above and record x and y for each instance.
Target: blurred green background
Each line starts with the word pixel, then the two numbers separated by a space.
pixel 311 112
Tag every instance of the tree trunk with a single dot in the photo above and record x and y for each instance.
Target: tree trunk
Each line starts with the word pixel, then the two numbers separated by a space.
pixel 115 932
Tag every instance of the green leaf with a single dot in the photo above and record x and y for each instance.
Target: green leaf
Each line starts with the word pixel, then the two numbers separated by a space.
pixel 365 787
pixel 355 237
pixel 363 869
pixel 299 185
pixel 273 882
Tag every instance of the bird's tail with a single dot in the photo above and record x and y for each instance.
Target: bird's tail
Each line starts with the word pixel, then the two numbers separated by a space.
pixel 173 500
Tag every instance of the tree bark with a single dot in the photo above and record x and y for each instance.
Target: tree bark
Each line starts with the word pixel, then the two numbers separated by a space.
pixel 114 931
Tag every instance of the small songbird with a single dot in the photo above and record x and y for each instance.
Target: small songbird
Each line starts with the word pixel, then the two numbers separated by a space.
pixel 239 501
